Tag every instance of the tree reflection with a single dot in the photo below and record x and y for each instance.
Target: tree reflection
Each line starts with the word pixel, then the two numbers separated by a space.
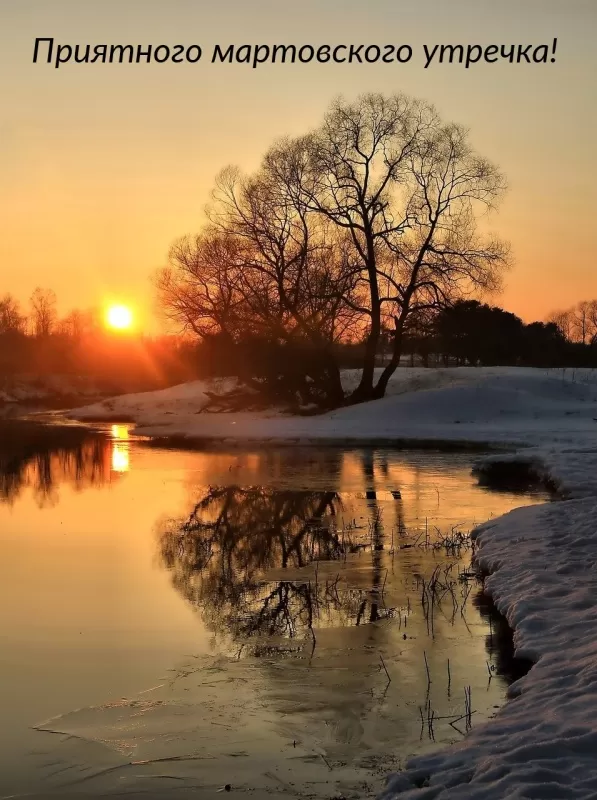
pixel 221 555
pixel 40 458
pixel 500 641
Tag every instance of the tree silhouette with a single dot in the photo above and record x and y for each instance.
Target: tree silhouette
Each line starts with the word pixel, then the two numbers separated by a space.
pixel 476 333
pixel 341 236
pixel 43 312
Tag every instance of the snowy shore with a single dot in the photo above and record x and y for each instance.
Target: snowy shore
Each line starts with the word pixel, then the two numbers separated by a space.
pixel 542 560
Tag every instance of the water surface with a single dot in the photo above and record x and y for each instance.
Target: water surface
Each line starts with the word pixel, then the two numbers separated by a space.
pixel 276 620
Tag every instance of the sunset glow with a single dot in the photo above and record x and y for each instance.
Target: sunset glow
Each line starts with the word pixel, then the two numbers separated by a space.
pixel 120 460
pixel 119 317
pixel 146 181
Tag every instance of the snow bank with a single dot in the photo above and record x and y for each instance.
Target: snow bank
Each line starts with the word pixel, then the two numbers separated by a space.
pixel 542 560
pixel 502 405
pixel 182 400
pixel 543 742
pixel 34 388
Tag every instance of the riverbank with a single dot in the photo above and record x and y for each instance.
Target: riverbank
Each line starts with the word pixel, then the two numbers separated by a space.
pixel 542 561
pixel 542 565
pixel 546 419
pixel 508 405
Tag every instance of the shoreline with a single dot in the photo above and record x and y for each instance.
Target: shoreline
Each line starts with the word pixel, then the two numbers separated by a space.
pixel 541 561
pixel 460 767
pixel 542 740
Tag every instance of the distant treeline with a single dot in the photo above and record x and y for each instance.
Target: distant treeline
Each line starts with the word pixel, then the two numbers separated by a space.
pixel 40 344
pixel 467 333
pixel 470 332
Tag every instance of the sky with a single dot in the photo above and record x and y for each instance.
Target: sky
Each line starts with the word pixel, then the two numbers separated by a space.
pixel 102 166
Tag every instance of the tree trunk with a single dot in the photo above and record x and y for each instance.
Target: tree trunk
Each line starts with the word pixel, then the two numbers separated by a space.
pixel 364 390
pixel 335 390
pixel 390 369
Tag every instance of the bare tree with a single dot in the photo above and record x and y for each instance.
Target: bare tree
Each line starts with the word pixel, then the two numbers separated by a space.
pixel 11 319
pixel 196 289
pixel 407 189
pixel 584 321
pixel 580 320
pixel 78 324
pixel 592 322
pixel 43 311
pixel 267 266
pixel 343 234
pixel 578 323
pixel 563 321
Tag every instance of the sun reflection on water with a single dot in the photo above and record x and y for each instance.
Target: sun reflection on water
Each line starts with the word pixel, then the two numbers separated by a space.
pixel 120 459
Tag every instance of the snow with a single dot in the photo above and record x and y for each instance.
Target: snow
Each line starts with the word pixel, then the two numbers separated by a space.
pixel 506 405
pixel 543 742
pixel 33 388
pixel 542 560
pixel 185 398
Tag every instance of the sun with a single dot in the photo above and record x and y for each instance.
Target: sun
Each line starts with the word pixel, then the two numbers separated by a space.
pixel 119 317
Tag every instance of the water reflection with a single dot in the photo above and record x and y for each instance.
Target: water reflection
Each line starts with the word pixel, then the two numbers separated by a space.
pixel 272 561
pixel 220 557
pixel 305 568
pixel 499 641
pixel 260 564
pixel 120 459
pixel 41 458
pixel 334 591
pixel 41 464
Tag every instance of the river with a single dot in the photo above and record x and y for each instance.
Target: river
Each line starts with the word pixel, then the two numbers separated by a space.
pixel 280 621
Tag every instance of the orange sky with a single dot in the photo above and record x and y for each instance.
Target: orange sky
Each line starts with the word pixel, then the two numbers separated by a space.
pixel 102 166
